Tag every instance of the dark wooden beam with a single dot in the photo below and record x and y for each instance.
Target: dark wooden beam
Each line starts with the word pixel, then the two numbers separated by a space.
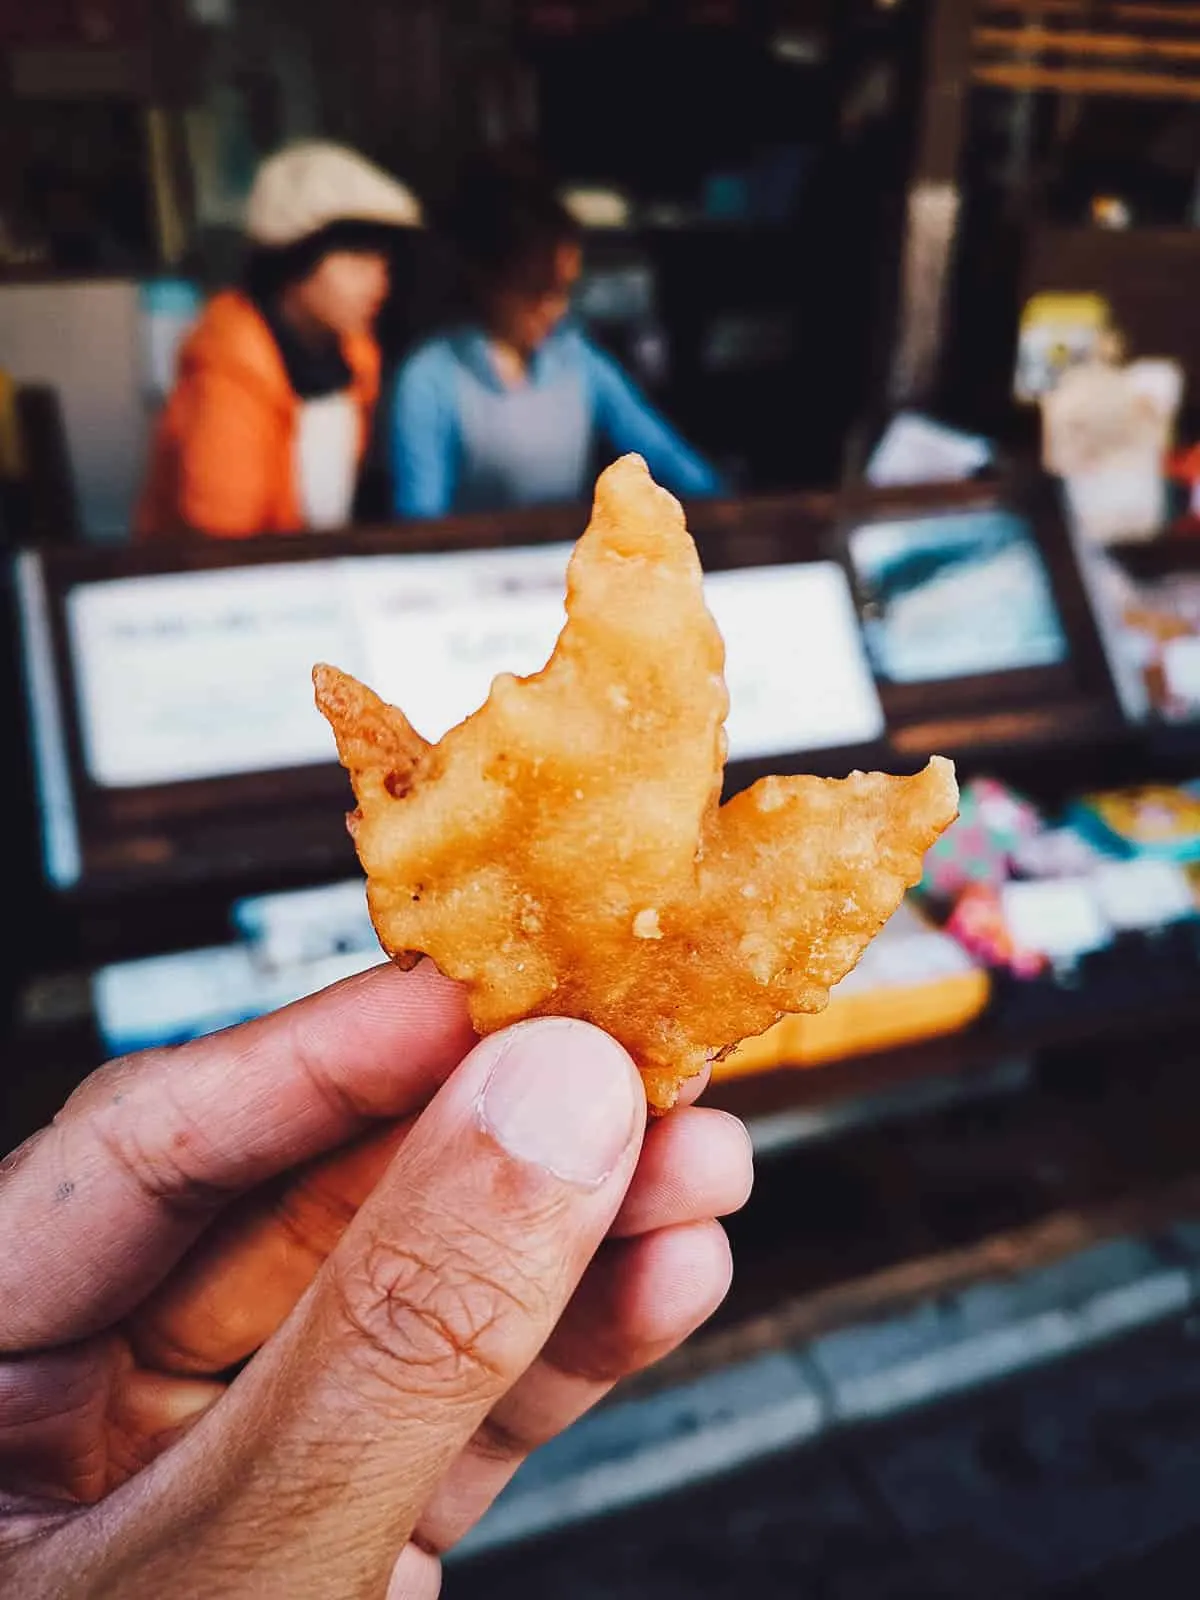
pixel 1022 41
pixel 1071 80
pixel 934 205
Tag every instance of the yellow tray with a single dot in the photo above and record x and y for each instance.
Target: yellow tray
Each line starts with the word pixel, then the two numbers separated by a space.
pixel 857 1024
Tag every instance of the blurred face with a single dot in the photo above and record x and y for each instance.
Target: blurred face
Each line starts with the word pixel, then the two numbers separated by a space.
pixel 345 292
pixel 524 316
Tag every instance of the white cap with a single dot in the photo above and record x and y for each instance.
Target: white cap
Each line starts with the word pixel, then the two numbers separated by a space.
pixel 597 208
pixel 306 187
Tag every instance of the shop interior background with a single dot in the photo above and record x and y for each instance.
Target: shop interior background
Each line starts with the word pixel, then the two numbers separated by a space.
pixel 959 1356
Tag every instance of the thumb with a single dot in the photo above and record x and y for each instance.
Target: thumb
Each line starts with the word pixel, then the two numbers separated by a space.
pixel 438 1297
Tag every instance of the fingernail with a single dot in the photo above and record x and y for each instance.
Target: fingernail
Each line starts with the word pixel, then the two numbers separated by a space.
pixel 562 1096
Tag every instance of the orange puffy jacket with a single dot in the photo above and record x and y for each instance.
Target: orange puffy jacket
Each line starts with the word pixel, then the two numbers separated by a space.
pixel 222 460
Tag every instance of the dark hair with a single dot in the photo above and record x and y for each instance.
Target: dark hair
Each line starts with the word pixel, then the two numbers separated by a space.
pixel 269 270
pixel 505 221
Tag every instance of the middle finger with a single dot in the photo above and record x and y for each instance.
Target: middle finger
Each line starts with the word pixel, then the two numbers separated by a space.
pixel 696 1164
pixel 231 1294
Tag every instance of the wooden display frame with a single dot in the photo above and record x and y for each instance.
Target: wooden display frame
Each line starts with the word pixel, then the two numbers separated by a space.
pixel 257 830
pixel 1150 561
pixel 987 714
pixel 254 828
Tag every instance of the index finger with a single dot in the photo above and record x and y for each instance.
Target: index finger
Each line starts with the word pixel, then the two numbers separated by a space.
pixel 98 1207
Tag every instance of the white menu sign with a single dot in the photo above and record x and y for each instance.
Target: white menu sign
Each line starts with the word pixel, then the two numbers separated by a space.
pixel 207 674
pixel 794 660
pixel 436 629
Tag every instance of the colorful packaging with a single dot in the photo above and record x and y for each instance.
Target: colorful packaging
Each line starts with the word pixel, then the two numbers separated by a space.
pixel 979 924
pixel 994 823
pixel 1155 820
pixel 1057 853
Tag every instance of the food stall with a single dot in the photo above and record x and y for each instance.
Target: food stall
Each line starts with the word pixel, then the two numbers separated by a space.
pixel 194 866
pixel 1007 1076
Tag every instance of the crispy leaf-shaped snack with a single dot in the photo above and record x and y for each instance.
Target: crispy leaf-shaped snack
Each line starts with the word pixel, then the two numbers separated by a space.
pixel 564 852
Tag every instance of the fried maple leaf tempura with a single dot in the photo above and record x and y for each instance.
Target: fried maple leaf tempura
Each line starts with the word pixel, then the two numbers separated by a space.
pixel 564 852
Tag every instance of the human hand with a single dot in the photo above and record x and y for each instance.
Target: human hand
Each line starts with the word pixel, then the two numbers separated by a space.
pixel 523 1241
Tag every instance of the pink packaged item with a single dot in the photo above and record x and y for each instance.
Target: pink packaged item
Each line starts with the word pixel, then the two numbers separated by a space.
pixel 994 822
pixel 979 925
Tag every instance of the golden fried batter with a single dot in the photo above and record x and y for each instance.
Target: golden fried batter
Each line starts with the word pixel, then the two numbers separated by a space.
pixel 563 851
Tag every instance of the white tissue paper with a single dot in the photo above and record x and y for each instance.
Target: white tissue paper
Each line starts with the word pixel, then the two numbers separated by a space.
pixel 1106 431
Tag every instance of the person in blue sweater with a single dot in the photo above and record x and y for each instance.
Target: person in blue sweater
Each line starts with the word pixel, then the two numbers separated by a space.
pixel 512 409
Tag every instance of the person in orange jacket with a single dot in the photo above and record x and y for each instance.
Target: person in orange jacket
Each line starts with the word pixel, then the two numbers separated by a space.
pixel 276 387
